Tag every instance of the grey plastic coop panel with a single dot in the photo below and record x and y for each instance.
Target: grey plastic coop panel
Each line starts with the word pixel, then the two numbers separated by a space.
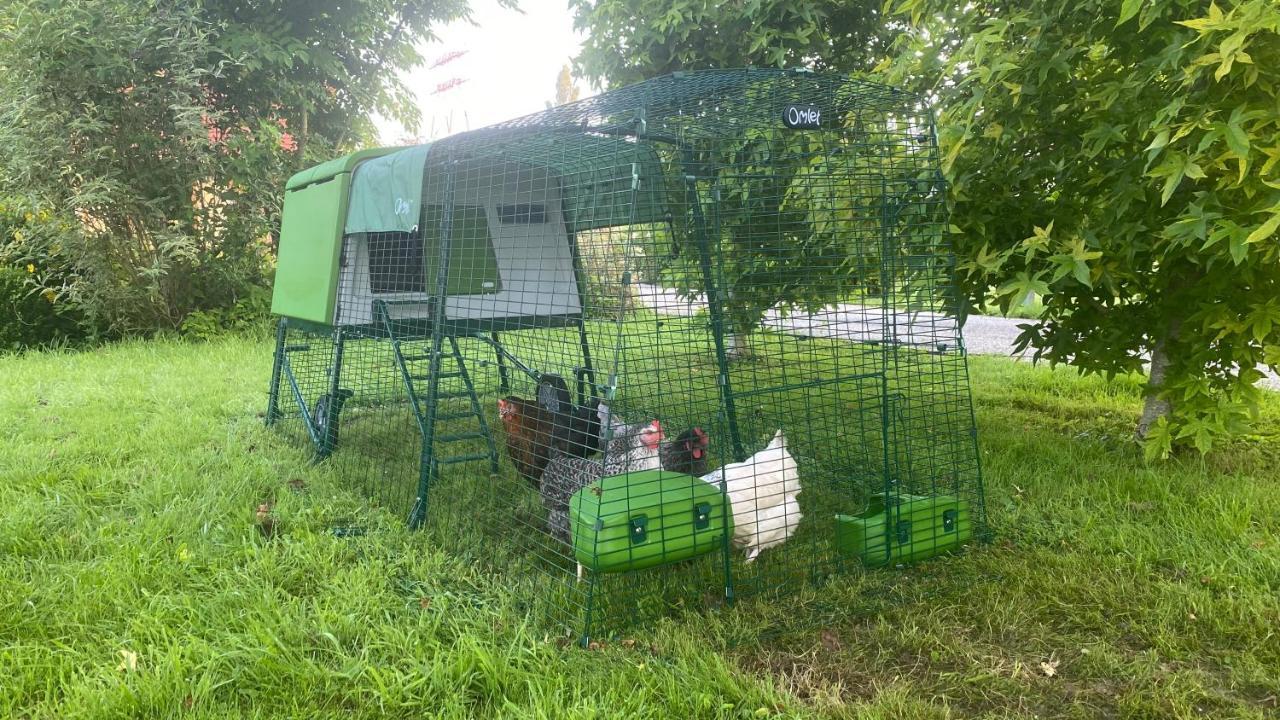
pixel 512 252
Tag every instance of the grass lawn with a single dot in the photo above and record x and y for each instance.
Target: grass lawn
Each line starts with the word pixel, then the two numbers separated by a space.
pixel 135 583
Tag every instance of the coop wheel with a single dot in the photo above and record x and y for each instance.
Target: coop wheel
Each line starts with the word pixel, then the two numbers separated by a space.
pixel 324 417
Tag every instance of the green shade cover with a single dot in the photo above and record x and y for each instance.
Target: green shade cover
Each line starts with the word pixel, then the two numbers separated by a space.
pixel 595 175
pixel 386 192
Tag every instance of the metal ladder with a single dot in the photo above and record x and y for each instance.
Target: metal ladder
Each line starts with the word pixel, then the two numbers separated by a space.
pixel 410 356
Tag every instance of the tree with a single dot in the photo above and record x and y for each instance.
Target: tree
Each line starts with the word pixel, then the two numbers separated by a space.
pixel 1121 161
pixel 156 136
pixel 566 91
pixel 691 34
pixel 1118 159
pixel 103 122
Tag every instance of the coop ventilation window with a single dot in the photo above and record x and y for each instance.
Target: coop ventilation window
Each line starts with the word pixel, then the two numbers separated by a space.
pixel 522 214
pixel 404 262
pixel 395 263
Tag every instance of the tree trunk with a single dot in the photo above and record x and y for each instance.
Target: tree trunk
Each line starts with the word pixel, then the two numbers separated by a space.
pixel 1156 407
pixel 737 346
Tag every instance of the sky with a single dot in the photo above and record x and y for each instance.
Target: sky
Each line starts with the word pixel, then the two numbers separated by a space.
pixel 507 68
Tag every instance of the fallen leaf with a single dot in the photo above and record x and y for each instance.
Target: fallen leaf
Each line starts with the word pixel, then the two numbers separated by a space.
pixel 128 661
pixel 830 640
pixel 1049 667
pixel 266 524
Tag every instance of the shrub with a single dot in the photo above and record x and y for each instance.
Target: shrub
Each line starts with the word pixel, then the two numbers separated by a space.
pixel 250 314
pixel 31 316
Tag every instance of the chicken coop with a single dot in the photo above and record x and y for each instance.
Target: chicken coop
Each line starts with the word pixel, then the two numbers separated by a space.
pixel 660 350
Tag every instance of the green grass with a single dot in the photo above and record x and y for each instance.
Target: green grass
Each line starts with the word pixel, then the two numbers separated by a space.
pixel 130 476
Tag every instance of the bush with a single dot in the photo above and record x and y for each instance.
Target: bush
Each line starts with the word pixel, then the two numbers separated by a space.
pixel 249 314
pixel 31 317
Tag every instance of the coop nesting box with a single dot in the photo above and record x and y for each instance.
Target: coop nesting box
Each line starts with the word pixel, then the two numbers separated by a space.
pixel 735 252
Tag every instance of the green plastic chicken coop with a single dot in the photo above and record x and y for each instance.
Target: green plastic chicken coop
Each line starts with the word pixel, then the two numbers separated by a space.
pixel 679 344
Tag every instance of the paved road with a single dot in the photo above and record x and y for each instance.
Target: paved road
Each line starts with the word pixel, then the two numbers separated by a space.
pixel 983 335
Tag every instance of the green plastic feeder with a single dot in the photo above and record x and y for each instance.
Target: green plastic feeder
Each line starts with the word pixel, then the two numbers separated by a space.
pixel 641 519
pixel 904 528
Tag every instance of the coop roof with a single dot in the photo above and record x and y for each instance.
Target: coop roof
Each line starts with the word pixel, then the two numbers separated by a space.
pixel 595 173
pixel 591 145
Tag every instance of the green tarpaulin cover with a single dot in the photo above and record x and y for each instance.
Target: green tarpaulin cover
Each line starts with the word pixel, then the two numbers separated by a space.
pixel 596 175
pixel 386 192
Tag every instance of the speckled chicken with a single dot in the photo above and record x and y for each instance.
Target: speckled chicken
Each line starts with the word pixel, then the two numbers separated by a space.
pixel 631 449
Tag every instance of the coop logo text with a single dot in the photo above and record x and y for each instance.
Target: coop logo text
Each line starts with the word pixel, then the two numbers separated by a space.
pixel 802 117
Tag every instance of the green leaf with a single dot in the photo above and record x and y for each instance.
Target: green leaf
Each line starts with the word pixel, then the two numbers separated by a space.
pixel 1265 230
pixel 1082 273
pixel 1170 184
pixel 1161 139
pixel 1237 140
pixel 1239 248
pixel 1128 9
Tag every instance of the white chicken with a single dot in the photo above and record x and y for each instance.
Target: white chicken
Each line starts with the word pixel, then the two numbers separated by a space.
pixel 762 492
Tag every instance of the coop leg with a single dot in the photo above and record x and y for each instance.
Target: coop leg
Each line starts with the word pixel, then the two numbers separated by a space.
pixel 588 370
pixel 707 264
pixel 427 465
pixel 328 433
pixel 588 612
pixel 277 363
pixel 504 379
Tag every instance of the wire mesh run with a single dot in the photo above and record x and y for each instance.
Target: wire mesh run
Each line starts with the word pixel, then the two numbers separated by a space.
pixel 676 345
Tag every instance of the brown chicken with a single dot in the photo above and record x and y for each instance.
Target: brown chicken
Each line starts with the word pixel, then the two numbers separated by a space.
pixel 529 430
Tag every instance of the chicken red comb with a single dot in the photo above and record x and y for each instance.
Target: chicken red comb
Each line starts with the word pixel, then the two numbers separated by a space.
pixel 652 435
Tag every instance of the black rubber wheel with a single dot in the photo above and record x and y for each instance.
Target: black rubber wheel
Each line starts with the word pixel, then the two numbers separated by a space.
pixel 324 417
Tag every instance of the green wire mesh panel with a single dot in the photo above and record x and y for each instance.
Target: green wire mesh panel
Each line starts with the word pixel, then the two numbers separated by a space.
pixel 676 345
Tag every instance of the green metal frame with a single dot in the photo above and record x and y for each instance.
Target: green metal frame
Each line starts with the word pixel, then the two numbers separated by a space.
pixel 874 387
